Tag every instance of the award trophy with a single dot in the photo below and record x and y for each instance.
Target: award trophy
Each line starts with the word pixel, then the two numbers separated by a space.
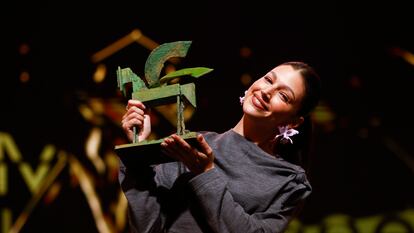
pixel 159 91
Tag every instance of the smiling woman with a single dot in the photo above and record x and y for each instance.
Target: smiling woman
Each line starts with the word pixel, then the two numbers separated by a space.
pixel 251 178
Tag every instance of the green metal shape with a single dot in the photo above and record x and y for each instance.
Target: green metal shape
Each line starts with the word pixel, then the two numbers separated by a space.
pixel 194 72
pixel 160 91
pixel 125 76
pixel 159 56
pixel 148 152
pixel 166 94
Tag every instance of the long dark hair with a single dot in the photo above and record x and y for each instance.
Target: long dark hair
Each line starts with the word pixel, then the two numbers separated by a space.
pixel 300 151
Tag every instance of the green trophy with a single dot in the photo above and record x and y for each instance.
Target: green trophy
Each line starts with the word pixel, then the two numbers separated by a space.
pixel 159 91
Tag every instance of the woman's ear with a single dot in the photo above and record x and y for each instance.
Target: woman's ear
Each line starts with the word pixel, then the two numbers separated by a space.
pixel 298 121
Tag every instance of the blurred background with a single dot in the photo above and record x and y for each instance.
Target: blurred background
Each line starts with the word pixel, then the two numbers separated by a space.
pixel 61 107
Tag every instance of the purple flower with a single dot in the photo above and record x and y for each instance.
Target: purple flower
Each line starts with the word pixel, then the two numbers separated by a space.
pixel 285 133
pixel 242 98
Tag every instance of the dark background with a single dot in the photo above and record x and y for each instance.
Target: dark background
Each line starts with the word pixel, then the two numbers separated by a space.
pixel 363 163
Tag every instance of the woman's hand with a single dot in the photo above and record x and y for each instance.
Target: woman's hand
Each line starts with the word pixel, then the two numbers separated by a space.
pixel 196 160
pixel 136 116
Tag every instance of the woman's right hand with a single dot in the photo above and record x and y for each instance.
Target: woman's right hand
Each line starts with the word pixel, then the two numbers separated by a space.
pixel 136 116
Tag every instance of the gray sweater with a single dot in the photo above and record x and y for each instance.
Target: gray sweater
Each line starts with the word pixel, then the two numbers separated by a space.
pixel 247 191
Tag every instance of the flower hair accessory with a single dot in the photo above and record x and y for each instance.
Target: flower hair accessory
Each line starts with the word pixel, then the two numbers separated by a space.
pixel 285 133
pixel 242 98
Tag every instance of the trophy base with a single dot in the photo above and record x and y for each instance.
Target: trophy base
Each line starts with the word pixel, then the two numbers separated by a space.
pixel 148 152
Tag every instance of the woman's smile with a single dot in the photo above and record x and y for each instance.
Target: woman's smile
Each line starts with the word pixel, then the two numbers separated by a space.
pixel 259 103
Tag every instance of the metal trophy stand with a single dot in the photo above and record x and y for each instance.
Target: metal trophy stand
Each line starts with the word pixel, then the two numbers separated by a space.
pixel 159 91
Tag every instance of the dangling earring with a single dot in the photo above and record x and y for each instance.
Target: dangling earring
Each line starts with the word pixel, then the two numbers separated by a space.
pixel 242 98
pixel 286 133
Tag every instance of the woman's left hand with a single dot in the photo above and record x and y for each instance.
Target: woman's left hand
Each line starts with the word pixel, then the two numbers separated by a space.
pixel 197 160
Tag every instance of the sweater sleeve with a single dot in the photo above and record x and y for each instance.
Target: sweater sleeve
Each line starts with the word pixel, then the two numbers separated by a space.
pixel 223 214
pixel 140 190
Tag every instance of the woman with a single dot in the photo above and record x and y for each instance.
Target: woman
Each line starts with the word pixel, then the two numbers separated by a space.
pixel 247 179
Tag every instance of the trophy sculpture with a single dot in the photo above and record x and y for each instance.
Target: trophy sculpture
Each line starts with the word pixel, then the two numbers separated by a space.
pixel 159 91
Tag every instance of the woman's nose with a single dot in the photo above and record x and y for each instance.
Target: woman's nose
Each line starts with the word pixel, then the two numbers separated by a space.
pixel 266 94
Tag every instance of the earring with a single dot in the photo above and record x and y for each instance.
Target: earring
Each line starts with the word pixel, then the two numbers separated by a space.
pixel 242 98
pixel 286 133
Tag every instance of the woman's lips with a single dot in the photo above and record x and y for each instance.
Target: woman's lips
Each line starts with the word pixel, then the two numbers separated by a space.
pixel 258 102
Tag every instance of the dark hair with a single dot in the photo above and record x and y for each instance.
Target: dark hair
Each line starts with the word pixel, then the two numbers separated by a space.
pixel 312 86
pixel 299 152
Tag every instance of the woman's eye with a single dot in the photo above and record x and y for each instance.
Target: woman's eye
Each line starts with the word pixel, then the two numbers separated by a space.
pixel 284 97
pixel 268 79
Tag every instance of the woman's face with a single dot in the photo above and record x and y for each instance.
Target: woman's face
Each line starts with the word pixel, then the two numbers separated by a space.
pixel 275 98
